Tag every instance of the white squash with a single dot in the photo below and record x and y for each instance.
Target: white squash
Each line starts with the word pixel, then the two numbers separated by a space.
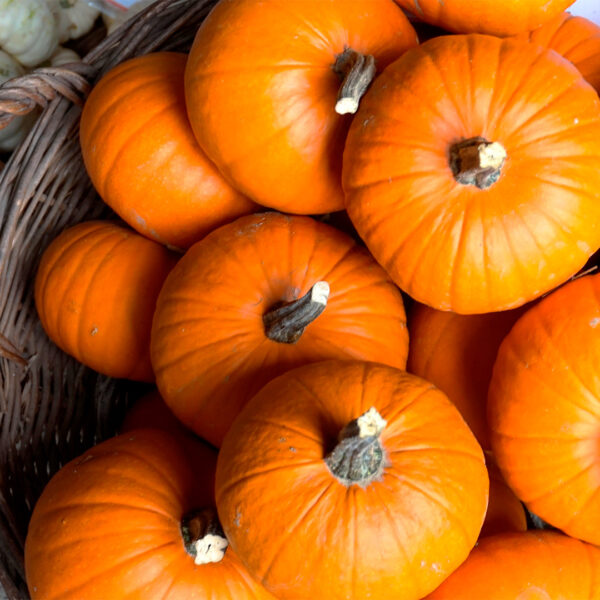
pixel 74 18
pixel 12 135
pixel 28 30
pixel 62 56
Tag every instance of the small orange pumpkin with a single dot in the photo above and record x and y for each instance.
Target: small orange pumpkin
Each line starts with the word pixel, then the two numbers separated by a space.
pixel 457 354
pixel 529 565
pixel 95 293
pixel 575 38
pixel 259 296
pixel 370 467
pixel 128 520
pixel 262 84
pixel 544 408
pixel 141 155
pixel 472 172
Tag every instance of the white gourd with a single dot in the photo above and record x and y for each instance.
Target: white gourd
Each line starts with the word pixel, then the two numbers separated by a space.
pixel 12 135
pixel 63 56
pixel 28 30
pixel 74 18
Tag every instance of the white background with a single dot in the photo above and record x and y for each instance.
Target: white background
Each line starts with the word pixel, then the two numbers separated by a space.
pixel 590 9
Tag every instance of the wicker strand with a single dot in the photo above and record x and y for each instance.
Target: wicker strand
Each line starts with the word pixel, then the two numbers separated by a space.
pixel 52 408
pixel 21 95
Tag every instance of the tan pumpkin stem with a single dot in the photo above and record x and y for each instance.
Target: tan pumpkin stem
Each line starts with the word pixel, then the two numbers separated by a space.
pixel 358 456
pixel 203 536
pixel 287 323
pixel 477 162
pixel 357 71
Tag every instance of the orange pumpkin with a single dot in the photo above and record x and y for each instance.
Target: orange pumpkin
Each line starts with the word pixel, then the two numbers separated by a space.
pixel 128 520
pixel 485 16
pixel 262 84
pixel 141 155
pixel 472 172
pixel 575 38
pixel 262 295
pixel 505 512
pixel 544 408
pixel 95 294
pixel 457 354
pixel 370 468
pixel 529 565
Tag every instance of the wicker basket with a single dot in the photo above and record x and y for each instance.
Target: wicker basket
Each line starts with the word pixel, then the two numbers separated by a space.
pixel 51 407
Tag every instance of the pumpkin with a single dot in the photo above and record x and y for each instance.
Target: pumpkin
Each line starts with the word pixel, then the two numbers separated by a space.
pixel 528 565
pixel 575 38
pixel 95 293
pixel 485 16
pixel 28 30
pixel 370 467
pixel 150 411
pixel 262 84
pixel 142 158
pixel 457 354
pixel 544 408
pixel 126 520
pixel 259 296
pixel 472 172
pixel 505 512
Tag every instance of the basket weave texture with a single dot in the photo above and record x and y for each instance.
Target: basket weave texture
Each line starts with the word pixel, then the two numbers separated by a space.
pixel 51 407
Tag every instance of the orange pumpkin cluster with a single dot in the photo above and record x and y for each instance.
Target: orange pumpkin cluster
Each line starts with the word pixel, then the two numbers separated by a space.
pixel 285 191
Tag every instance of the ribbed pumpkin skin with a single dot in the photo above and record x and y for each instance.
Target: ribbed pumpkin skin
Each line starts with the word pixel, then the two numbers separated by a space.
pixel 208 346
pixel 95 293
pixel 455 246
pixel 540 565
pixel 261 92
pixel 398 537
pixel 457 353
pixel 575 38
pixel 544 408
pixel 141 155
pixel 107 525
pixel 486 16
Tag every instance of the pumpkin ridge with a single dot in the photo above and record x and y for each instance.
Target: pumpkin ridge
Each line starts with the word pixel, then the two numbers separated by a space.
pixel 110 169
pixel 55 262
pixel 75 274
pixel 89 303
pixel 264 572
pixel 106 571
pixel 404 480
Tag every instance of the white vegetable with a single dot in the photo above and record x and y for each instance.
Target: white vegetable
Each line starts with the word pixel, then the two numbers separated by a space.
pixel 28 30
pixel 12 135
pixel 62 56
pixel 74 18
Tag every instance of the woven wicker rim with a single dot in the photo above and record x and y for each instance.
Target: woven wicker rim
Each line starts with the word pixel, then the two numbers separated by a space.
pixel 51 407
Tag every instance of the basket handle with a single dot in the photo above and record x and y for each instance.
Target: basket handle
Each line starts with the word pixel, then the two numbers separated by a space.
pixel 20 95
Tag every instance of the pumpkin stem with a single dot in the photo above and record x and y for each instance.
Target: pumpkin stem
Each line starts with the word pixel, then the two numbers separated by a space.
pixel 203 536
pixel 358 456
pixel 356 71
pixel 477 162
pixel 286 323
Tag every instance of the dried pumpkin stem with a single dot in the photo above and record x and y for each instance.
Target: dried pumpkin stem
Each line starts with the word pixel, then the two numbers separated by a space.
pixel 357 72
pixel 358 456
pixel 477 162
pixel 203 536
pixel 287 323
